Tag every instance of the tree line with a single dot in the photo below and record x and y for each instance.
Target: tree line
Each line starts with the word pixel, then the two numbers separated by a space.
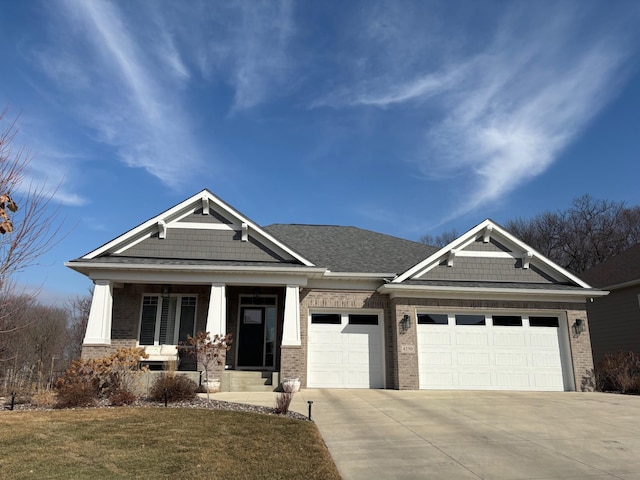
pixel 577 238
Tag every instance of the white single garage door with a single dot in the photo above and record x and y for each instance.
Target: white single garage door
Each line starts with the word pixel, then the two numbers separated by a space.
pixel 345 350
pixel 492 352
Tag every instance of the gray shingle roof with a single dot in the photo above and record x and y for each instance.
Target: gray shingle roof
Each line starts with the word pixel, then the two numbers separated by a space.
pixel 621 268
pixel 351 249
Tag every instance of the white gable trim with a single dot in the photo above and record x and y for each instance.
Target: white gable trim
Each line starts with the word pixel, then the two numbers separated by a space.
pixel 488 229
pixel 204 199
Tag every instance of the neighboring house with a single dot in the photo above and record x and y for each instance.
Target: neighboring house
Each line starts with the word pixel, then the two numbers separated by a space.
pixel 615 319
pixel 341 307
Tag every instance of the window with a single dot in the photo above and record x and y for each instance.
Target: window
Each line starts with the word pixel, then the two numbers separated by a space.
pixel 507 320
pixel 433 319
pixel 470 320
pixel 167 320
pixel 543 321
pixel 326 318
pixel 361 319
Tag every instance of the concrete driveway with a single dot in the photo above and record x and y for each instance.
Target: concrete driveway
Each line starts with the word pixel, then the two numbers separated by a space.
pixel 390 434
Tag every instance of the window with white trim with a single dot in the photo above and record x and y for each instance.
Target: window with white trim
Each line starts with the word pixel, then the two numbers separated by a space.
pixel 167 320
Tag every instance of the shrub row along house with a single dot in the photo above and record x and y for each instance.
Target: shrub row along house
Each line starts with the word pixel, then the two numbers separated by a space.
pixel 341 307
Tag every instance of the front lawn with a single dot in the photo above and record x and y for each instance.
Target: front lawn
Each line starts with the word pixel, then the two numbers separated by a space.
pixel 159 443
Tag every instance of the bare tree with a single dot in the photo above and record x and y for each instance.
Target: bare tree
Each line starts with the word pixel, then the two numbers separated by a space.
pixel 29 227
pixel 78 316
pixel 440 240
pixel 587 233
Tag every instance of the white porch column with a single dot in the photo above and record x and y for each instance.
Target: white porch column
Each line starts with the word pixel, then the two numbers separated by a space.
pixel 291 327
pixel 99 324
pixel 217 314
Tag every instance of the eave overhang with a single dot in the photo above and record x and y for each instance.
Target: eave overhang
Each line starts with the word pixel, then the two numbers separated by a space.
pixel 161 273
pixel 488 293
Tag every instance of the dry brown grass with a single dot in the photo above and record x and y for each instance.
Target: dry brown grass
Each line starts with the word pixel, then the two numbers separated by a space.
pixel 159 443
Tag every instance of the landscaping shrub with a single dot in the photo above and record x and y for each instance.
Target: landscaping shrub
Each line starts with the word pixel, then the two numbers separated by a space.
pixel 619 372
pixel 122 398
pixel 283 401
pixel 76 394
pixel 87 380
pixel 178 388
pixel 44 398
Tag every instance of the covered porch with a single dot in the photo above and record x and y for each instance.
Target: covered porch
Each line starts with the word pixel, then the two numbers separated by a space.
pixel 263 319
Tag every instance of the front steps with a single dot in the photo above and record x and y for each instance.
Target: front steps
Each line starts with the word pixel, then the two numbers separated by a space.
pixel 249 381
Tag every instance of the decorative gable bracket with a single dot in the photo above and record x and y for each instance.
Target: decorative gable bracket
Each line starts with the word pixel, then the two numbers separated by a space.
pixel 245 232
pixel 162 229
pixel 205 205
pixel 486 236
pixel 526 259
pixel 450 257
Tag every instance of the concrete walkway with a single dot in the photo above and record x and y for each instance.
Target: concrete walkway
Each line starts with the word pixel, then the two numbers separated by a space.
pixel 391 434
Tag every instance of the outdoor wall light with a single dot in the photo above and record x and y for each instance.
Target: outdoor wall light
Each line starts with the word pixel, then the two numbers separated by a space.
pixel 405 323
pixel 578 326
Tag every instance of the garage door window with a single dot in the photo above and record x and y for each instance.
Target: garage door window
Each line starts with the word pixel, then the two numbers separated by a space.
pixel 507 321
pixel 543 321
pixel 433 319
pixel 470 320
pixel 326 318
pixel 358 319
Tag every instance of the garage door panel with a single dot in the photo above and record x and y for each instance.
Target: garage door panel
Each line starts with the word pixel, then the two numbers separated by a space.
pixel 546 360
pixel 435 338
pixel 515 381
pixel 489 357
pixel 473 358
pixel 437 358
pixel 345 355
pixel 509 339
pixel 471 338
pixel 509 359
pixel 474 379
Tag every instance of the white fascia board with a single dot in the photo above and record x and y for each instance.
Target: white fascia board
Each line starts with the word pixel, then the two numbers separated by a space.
pixel 180 211
pixel 344 283
pixel 82 266
pixel 417 291
pixel 346 275
pixel 466 239
pixel 179 275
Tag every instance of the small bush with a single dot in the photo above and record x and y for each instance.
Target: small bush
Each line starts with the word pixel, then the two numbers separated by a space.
pixel 178 387
pixel 283 401
pixel 76 394
pixel 619 372
pixel 122 398
pixel 44 398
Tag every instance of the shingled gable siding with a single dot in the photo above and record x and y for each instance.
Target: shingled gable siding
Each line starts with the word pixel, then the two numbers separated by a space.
pixel 294 359
pixel 127 301
pixel 486 269
pixel 407 372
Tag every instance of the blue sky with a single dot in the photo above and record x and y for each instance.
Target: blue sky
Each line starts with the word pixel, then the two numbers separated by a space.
pixel 403 117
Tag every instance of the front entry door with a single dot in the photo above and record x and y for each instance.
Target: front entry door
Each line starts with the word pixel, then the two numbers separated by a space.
pixel 251 337
pixel 257 332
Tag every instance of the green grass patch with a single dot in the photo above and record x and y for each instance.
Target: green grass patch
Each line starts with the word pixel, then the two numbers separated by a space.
pixel 159 443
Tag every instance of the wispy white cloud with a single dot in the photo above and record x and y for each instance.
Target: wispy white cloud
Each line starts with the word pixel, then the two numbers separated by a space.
pixel 501 113
pixel 245 43
pixel 127 95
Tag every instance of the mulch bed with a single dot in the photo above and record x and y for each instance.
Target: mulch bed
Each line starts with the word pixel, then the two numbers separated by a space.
pixel 195 403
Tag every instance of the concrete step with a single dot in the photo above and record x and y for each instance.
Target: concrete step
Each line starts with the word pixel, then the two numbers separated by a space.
pixel 249 381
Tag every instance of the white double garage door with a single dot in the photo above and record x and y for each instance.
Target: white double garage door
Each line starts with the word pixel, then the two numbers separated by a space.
pixel 475 351
pixel 483 351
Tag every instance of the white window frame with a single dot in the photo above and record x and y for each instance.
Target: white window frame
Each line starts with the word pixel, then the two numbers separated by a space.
pixel 176 328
